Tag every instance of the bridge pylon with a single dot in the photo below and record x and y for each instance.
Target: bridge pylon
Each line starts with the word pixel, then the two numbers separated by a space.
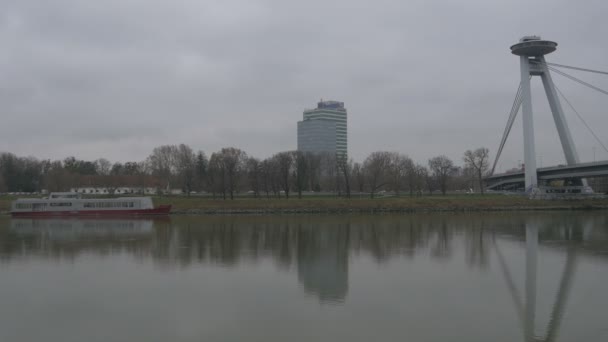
pixel 531 51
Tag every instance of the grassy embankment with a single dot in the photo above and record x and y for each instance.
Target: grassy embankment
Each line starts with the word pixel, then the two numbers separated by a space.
pixel 204 205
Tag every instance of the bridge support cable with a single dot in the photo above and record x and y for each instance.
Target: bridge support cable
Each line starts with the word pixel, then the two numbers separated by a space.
pixel 577 68
pixel 510 121
pixel 581 118
pixel 589 85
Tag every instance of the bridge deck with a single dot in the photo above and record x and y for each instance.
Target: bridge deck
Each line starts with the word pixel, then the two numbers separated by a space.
pixel 581 170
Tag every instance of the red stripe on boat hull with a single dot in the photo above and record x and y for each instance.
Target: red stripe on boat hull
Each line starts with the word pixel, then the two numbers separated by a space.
pixel 160 210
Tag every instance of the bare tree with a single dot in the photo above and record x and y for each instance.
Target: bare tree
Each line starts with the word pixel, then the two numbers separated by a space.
pixel 413 176
pixel 162 163
pixel 463 178
pixel 314 170
pixel 202 168
pixel 301 171
pixel 358 177
pixel 56 178
pixel 116 169
pixel 216 178
pixel 398 170
pixel 375 168
pixel 346 170
pixel 232 164
pixel 254 175
pixel 478 160
pixel 131 169
pixel 21 173
pixel 143 177
pixel 442 169
pixel 420 178
pixel 185 165
pixel 103 166
pixel 266 168
pixel 3 187
pixel 328 171
pixel 284 162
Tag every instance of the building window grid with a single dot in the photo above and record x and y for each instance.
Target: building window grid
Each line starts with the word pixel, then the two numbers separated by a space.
pixel 313 136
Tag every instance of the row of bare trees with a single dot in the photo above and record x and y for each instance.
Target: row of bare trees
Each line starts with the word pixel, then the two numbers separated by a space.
pixel 231 171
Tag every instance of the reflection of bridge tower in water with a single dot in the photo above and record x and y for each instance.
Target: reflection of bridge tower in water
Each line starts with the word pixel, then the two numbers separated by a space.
pixel 526 310
pixel 531 51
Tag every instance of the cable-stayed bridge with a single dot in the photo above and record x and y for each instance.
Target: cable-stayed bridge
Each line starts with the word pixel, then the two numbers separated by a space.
pixel 536 181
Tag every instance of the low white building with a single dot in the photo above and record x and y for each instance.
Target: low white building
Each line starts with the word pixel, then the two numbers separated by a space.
pixel 117 191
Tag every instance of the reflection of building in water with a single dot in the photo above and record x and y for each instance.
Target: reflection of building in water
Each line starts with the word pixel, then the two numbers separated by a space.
pixel 323 261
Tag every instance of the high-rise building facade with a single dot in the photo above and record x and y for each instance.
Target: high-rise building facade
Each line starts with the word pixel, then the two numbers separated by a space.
pixel 324 129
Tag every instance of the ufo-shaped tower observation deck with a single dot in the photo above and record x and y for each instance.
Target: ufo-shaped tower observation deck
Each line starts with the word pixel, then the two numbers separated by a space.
pixel 533 46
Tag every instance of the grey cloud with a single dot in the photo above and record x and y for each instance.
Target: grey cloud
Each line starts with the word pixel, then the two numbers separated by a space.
pixel 118 77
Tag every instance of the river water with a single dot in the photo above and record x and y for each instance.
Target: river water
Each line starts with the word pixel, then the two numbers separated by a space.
pixel 432 277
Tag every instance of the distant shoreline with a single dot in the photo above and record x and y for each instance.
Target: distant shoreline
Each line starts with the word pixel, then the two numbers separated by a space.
pixel 211 212
pixel 183 205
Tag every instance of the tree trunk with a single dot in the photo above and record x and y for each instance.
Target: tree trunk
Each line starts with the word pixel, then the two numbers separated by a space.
pixel 480 182
pixel 347 185
pixel 346 180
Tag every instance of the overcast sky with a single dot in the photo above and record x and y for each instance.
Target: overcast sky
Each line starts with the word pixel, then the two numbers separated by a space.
pixel 115 78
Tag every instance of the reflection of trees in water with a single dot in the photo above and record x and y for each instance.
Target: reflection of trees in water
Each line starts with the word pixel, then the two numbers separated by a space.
pixel 230 240
pixel 477 238
pixel 442 248
pixel 318 246
pixel 385 237
pixel 227 241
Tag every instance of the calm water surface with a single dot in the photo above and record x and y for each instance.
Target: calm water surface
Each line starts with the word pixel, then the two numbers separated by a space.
pixel 478 277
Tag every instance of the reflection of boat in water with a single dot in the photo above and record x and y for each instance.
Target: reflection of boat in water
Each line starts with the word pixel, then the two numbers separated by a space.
pixel 72 204
pixel 69 237
pixel 69 229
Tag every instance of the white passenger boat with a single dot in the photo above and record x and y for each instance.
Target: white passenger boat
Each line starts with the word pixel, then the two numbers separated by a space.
pixel 72 204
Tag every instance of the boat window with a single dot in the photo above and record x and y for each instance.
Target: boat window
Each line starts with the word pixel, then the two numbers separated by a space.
pixel 39 206
pixel 109 204
pixel 24 205
pixel 61 204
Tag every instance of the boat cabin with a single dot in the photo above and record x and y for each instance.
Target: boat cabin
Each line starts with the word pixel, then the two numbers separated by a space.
pixel 73 202
pixel 64 195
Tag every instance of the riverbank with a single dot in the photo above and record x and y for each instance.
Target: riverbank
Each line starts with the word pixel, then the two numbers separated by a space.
pixel 452 203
